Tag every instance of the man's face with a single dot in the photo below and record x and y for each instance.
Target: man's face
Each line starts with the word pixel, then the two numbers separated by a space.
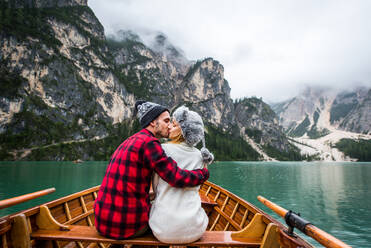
pixel 162 125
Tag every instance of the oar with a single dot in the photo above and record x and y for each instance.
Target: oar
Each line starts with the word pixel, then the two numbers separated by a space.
pixel 294 220
pixel 23 198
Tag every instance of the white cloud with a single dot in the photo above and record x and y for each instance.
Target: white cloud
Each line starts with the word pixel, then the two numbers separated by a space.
pixel 269 49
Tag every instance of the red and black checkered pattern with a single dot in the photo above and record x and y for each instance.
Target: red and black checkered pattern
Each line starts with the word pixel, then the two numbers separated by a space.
pixel 122 206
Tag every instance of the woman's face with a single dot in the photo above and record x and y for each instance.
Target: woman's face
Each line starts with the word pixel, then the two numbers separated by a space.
pixel 174 129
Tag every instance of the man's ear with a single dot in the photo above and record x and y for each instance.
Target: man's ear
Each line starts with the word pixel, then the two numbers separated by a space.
pixel 152 123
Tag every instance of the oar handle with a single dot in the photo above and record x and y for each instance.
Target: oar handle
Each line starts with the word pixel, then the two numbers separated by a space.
pixel 321 236
pixel 23 198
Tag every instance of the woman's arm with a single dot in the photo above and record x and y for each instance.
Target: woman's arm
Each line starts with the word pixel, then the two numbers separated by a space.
pixel 168 170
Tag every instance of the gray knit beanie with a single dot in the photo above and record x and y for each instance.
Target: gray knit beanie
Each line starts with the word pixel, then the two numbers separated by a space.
pixel 192 128
pixel 148 111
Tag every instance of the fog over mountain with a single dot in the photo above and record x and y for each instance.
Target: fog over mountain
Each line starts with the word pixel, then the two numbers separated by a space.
pixel 269 49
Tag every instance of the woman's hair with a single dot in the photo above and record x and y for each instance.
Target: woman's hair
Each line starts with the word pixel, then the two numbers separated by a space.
pixel 192 131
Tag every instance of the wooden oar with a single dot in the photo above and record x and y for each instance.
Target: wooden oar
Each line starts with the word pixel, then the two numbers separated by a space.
pixel 321 236
pixel 23 198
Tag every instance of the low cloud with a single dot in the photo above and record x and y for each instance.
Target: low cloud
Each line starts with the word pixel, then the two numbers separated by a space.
pixel 270 49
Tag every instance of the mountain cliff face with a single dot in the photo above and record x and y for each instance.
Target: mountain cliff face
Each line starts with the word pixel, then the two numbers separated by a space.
pixel 258 124
pixel 318 119
pixel 316 110
pixel 301 115
pixel 67 92
pixel 351 111
pixel 253 116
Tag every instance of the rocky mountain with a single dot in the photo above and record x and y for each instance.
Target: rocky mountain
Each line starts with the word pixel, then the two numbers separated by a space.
pixel 260 127
pixel 316 109
pixel 351 111
pixel 67 92
pixel 301 115
pixel 319 118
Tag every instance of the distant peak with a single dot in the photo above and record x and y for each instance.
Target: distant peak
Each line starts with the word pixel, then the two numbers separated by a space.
pixel 162 44
pixel 160 39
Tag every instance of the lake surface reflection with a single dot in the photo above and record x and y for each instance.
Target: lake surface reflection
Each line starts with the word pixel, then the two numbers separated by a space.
pixel 335 197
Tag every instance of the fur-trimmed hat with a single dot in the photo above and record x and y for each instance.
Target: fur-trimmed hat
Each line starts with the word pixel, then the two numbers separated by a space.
pixel 148 111
pixel 192 128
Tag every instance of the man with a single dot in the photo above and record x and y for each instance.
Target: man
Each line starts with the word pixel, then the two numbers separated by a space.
pixel 122 206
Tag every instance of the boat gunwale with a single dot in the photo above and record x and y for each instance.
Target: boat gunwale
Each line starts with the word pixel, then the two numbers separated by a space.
pixel 53 203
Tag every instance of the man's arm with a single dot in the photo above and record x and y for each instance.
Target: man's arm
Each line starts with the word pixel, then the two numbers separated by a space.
pixel 168 170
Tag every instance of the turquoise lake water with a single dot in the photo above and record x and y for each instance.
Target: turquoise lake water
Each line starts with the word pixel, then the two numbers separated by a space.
pixel 335 197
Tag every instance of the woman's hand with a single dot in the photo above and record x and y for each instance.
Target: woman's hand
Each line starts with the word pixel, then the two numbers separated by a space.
pixel 207 156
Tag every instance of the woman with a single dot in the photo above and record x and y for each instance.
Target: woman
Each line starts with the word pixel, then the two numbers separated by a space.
pixel 176 214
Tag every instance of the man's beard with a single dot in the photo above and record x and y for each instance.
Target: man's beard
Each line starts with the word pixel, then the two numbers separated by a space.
pixel 160 133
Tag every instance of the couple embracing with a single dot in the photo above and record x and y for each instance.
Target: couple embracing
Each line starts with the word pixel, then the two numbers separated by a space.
pixel 176 169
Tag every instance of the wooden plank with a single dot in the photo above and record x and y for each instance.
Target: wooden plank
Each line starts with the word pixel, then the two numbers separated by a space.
pixel 80 217
pixel 244 218
pixel 215 222
pixel 45 220
pixel 85 210
pixel 89 205
pixel 226 226
pixel 208 190
pixel 271 237
pixel 234 210
pixel 232 215
pixel 212 218
pixel 225 203
pixel 86 233
pixel 255 229
pixel 20 233
pixel 238 217
pixel 92 245
pixel 233 223
pixel 67 210
pixel 230 206
pixel 4 242
pixel 222 223
pixel 217 196
pixel 221 199
pixel 59 213
pixel 75 207
pixel 89 198
pixel 5 225
pixel 207 201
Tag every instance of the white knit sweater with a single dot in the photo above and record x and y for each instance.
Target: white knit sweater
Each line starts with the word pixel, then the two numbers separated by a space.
pixel 176 214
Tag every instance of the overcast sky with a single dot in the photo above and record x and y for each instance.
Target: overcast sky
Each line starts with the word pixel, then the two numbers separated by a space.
pixel 269 49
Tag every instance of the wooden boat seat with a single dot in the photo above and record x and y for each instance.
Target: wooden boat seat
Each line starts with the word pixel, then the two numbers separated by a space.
pixel 89 234
pixel 50 230
pixel 207 202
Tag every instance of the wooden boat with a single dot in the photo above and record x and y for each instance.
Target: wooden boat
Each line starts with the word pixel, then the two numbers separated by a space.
pixel 69 222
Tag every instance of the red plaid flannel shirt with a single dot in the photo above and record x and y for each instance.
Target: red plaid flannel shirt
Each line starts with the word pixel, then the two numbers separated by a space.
pixel 122 206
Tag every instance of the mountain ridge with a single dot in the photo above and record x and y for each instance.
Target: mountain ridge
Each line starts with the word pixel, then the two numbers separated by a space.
pixel 318 118
pixel 69 91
